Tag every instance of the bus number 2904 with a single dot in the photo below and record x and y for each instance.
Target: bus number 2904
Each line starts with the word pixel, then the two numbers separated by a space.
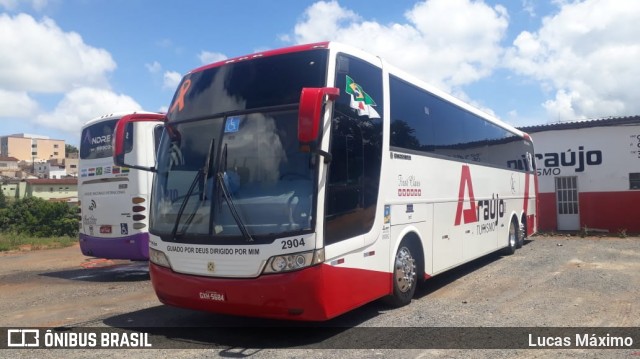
pixel 292 243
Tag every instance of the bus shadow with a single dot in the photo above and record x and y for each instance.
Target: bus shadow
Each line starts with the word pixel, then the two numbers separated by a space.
pixel 235 336
pixel 117 272
pixel 179 328
pixel 441 280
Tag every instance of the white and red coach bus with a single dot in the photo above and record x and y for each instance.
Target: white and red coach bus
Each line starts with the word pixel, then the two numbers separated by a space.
pixel 304 182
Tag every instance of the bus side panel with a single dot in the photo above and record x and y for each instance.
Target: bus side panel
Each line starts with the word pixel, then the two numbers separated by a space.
pixel 412 218
pixel 447 238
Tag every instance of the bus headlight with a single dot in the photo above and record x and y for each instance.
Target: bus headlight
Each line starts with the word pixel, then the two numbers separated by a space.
pixel 293 261
pixel 159 258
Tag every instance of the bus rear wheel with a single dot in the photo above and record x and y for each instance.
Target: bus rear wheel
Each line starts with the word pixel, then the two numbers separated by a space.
pixel 522 234
pixel 404 276
pixel 513 239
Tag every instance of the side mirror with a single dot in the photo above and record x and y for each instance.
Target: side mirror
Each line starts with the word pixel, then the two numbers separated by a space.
pixel 133 138
pixel 311 102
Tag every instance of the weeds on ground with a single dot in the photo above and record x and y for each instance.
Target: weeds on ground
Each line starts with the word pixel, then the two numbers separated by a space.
pixel 12 241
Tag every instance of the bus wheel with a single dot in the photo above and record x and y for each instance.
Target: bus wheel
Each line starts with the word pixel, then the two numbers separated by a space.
pixel 404 276
pixel 513 239
pixel 522 234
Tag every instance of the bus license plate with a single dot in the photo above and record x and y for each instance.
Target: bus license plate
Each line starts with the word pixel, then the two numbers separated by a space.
pixel 105 229
pixel 211 295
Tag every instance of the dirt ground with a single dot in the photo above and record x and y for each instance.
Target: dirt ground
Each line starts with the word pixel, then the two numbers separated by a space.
pixel 54 287
pixel 550 282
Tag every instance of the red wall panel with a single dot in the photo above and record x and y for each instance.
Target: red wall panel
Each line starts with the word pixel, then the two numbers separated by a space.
pixel 613 211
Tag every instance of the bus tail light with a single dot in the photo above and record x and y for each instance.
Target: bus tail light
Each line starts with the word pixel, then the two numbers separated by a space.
pixel 139 225
pixel 159 258
pixel 136 200
pixel 293 261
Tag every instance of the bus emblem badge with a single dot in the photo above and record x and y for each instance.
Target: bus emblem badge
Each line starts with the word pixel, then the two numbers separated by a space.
pixel 211 267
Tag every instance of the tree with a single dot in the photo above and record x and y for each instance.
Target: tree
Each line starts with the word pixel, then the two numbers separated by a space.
pixel 3 200
pixel 36 217
pixel 70 149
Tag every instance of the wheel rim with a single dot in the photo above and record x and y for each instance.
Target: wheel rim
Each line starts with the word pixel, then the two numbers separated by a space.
pixel 405 270
pixel 512 236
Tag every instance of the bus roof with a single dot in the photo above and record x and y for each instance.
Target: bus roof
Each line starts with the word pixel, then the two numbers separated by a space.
pixel 395 71
pixel 113 115
pixel 284 50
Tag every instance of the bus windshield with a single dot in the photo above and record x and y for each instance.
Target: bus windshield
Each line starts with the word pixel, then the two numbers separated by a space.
pixel 96 140
pixel 229 161
pixel 269 181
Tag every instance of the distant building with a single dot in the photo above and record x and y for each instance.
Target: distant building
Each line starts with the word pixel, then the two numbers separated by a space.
pixel 31 148
pixel 588 174
pixel 71 166
pixel 50 169
pixel 9 166
pixel 13 189
pixel 52 189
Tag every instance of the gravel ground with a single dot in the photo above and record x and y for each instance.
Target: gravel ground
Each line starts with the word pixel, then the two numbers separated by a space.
pixel 550 282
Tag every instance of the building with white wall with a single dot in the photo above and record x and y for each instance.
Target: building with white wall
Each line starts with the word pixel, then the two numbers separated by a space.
pixel 588 174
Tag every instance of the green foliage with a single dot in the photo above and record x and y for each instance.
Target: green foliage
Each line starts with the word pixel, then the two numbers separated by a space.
pixel 13 241
pixel 38 218
pixel 70 148
pixel 3 200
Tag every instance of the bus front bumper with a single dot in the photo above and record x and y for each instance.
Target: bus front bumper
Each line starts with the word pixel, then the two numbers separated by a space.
pixel 134 247
pixel 315 294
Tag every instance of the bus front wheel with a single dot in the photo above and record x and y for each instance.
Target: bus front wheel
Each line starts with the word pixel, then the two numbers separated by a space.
pixel 404 276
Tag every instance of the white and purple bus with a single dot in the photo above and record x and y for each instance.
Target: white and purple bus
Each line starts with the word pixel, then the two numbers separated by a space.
pixel 114 200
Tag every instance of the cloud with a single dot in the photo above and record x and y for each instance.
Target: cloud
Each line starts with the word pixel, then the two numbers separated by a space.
pixel 38 56
pixel 17 104
pixel 586 57
pixel 324 21
pixel 171 80
pixel 10 5
pixel 207 57
pixel 153 67
pixel 449 43
pixel 83 104
pixel 529 7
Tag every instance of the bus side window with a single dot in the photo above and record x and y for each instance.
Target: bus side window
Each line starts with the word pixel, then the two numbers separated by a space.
pixel 356 149
pixel 345 179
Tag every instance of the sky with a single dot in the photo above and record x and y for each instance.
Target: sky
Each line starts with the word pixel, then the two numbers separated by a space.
pixel 64 62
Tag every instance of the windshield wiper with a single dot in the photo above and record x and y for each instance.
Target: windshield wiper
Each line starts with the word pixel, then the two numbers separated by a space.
pixel 227 195
pixel 232 208
pixel 202 173
pixel 184 204
pixel 207 168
